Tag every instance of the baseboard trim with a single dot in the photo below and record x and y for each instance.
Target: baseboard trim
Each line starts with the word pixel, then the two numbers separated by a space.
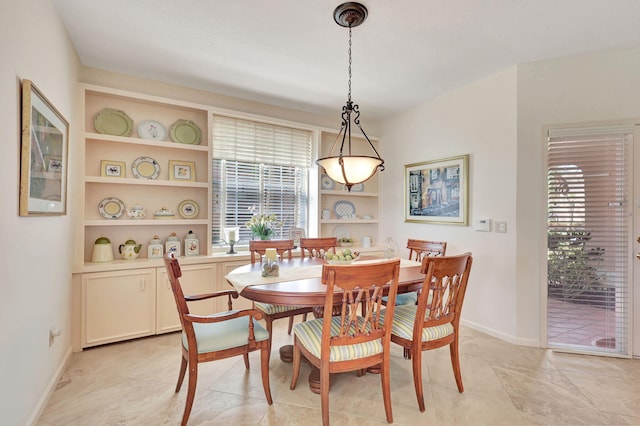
pixel 500 335
pixel 49 389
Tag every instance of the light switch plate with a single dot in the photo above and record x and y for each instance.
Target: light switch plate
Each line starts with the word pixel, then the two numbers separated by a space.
pixel 501 226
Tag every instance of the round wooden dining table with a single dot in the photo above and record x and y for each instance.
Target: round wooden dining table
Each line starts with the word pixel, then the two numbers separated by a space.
pixel 309 291
pixel 306 290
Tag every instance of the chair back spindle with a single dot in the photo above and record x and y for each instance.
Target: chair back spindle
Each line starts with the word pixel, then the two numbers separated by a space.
pixel 257 248
pixel 317 247
pixel 418 249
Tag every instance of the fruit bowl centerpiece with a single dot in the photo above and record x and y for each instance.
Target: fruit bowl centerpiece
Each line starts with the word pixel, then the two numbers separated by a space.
pixel 341 257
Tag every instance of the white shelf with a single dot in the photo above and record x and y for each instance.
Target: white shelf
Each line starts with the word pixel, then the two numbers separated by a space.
pixel 145 182
pixel 145 142
pixel 343 221
pixel 349 194
pixel 144 222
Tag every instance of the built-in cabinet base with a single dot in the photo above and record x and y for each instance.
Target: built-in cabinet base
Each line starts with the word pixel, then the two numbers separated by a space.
pixel 116 305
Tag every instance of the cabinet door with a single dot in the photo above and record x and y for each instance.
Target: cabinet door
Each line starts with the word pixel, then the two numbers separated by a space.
pixel 196 279
pixel 118 305
pixel 226 267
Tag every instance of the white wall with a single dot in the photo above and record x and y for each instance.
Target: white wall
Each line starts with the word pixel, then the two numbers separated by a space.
pixel 499 121
pixel 36 255
pixel 479 120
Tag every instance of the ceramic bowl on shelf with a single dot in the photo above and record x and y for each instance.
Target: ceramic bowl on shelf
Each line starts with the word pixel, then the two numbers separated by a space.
pixel 164 213
pixel 345 242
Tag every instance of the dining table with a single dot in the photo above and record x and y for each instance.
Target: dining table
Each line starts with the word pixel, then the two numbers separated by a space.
pixel 299 283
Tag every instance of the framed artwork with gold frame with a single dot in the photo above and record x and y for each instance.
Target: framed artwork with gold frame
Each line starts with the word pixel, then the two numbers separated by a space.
pixel 43 162
pixel 111 168
pixel 182 170
pixel 437 191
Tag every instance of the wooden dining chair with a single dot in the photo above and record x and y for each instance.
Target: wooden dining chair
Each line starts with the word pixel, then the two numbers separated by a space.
pixel 348 341
pixel 271 311
pixel 435 321
pixel 418 249
pixel 218 336
pixel 317 247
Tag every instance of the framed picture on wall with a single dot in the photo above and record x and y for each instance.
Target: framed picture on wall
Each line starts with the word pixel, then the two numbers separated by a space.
pixel 437 191
pixel 43 162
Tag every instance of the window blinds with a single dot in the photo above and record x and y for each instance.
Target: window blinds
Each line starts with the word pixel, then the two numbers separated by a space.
pixel 588 239
pixel 258 168
pixel 254 142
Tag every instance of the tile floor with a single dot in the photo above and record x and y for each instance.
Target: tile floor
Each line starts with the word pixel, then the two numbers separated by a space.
pixel 132 383
pixel 572 324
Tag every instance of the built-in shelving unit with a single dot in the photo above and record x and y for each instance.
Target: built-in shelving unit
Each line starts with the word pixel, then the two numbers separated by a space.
pixel 365 199
pixel 152 194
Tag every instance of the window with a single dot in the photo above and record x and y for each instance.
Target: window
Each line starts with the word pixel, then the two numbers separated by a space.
pixel 259 168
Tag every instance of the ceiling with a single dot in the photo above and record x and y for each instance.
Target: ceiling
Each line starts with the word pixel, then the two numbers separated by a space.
pixel 291 53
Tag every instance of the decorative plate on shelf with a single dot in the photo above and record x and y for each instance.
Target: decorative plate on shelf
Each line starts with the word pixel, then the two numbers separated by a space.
pixel 188 209
pixel 344 209
pixel 114 122
pixel 145 168
pixel 185 131
pixel 358 187
pixel 151 129
pixel 341 231
pixel 111 208
pixel 327 182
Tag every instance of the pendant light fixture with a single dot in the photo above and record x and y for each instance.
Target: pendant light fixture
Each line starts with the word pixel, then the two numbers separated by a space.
pixel 349 168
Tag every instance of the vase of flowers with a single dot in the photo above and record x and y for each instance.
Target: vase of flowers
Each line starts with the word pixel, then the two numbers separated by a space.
pixel 263 226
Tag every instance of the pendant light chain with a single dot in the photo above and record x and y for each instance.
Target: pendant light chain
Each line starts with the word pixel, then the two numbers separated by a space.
pixel 349 99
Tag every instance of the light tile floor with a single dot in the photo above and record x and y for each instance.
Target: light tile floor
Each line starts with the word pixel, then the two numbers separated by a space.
pixel 132 383
pixel 578 324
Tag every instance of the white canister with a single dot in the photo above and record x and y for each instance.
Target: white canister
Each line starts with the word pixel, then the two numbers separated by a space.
pixel 367 241
pixel 172 244
pixel 326 214
pixel 155 250
pixel 191 244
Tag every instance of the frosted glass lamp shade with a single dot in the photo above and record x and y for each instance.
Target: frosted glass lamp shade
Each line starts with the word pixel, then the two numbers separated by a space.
pixel 350 170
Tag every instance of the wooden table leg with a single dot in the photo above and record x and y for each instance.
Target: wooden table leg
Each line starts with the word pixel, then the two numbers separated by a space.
pixel 286 355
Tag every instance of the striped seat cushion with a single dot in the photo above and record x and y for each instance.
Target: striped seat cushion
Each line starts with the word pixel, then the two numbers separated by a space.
pixel 309 334
pixel 410 298
pixel 403 319
pixel 270 309
pixel 227 334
